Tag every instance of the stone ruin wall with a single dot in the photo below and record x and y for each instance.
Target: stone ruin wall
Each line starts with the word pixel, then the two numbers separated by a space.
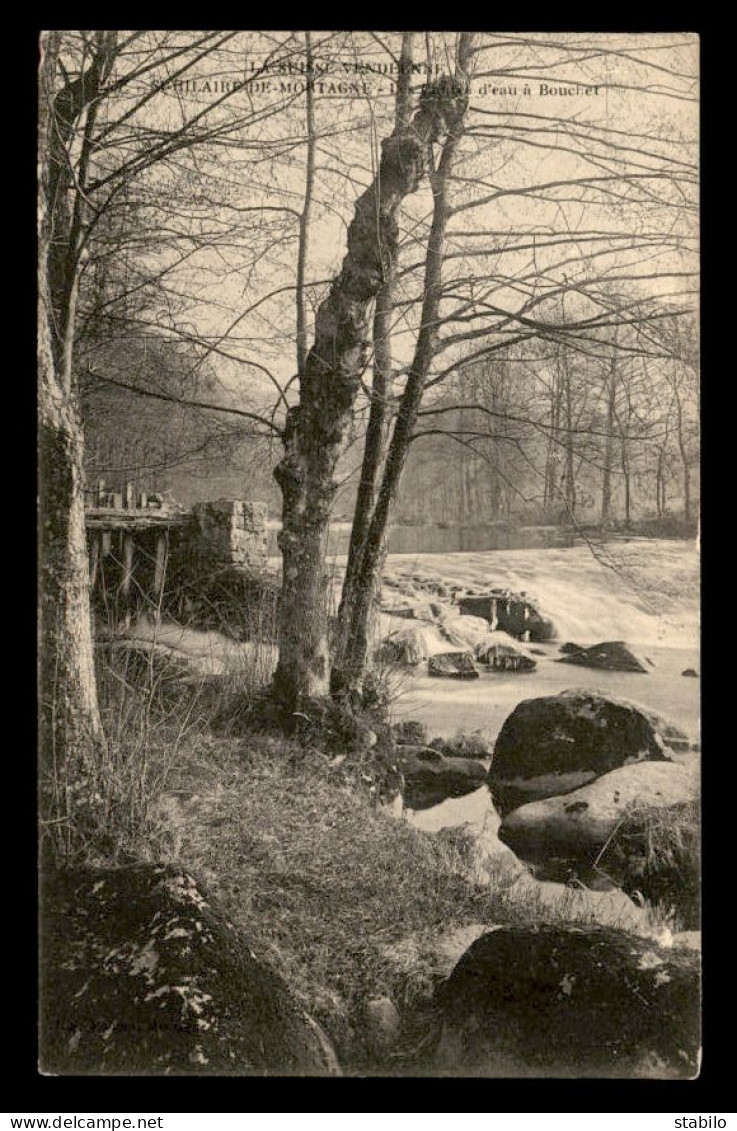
pixel 229 532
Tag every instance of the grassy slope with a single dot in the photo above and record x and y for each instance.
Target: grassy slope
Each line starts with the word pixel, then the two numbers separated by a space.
pixel 346 902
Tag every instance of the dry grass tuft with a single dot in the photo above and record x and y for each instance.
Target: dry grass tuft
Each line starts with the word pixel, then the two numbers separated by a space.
pixel 656 852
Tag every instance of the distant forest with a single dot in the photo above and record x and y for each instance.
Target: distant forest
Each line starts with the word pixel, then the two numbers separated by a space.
pixel 630 451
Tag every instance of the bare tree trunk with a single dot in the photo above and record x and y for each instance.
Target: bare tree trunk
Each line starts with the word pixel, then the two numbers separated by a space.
pixel 551 477
pixel 329 385
pixel 462 505
pixel 570 469
pixel 684 456
pixel 624 420
pixel 627 482
pixel 660 487
pixel 349 669
pixel 373 454
pixel 495 491
pixel 374 448
pixel 606 485
pixel 70 721
pixel 304 219
pixel 70 727
pixel 467 509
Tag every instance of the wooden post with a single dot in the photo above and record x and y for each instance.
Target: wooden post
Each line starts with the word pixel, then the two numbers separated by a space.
pixel 94 559
pixel 106 542
pixel 162 546
pixel 143 500
pixel 101 492
pixel 129 496
pixel 125 584
pixel 116 501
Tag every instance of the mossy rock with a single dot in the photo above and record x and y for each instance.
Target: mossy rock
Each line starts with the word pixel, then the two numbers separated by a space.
pixel 557 743
pixel 141 973
pixel 430 777
pixel 452 665
pixel 570 1001
pixel 609 656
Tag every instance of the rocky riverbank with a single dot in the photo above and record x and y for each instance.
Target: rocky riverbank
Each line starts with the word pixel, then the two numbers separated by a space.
pixel 258 907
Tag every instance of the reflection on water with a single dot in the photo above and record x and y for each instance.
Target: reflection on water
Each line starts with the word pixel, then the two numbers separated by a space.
pixel 476 813
pixel 475 809
pixel 448 539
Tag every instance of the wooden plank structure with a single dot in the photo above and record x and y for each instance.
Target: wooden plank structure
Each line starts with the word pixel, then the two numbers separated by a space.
pixel 123 515
pixel 150 556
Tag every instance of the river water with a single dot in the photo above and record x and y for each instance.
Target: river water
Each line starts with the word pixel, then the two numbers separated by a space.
pixel 447 706
pixel 444 539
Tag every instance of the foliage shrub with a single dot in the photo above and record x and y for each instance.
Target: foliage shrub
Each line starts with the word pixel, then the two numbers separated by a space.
pixel 463 745
pixel 411 732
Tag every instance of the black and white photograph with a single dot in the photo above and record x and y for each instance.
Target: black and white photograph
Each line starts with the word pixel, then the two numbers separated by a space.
pixel 369 540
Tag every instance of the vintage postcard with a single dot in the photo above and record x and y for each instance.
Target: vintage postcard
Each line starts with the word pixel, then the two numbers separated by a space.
pixel 369 679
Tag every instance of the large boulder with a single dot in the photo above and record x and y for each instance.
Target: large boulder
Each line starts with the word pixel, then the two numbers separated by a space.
pixel 468 632
pixel 411 644
pixel 510 612
pixel 452 665
pixel 570 1001
pixel 557 743
pixel 142 974
pixel 565 835
pixel 381 1026
pixel 430 777
pixel 609 656
pixel 505 658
